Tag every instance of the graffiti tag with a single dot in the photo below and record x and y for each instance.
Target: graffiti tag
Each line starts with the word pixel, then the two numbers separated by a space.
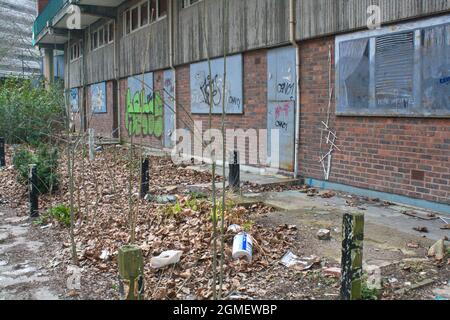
pixel 144 114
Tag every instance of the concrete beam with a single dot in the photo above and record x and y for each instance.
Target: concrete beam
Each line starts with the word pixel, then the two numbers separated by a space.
pixel 99 11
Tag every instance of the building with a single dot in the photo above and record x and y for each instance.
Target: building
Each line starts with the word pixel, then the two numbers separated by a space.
pixel 17 55
pixel 357 107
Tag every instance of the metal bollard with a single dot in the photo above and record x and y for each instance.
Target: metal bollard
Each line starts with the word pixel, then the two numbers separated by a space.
pixel 234 178
pixel 2 153
pixel 33 191
pixel 145 179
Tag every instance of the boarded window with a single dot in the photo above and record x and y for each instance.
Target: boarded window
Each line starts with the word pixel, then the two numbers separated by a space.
pixel 401 73
pixel 436 69
pixel 354 75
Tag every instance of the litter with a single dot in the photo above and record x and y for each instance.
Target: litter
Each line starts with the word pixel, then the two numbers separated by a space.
pixel 104 255
pixel 166 258
pixel 243 246
pixel 234 228
pixel 291 260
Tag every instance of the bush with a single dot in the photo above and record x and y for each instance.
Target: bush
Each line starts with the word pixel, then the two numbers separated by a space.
pixel 29 113
pixel 60 213
pixel 46 160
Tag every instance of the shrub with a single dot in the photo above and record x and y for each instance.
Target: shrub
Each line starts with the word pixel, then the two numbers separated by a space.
pixel 60 213
pixel 46 160
pixel 29 113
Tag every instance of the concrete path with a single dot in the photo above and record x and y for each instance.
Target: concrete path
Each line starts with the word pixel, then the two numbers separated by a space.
pixel 21 275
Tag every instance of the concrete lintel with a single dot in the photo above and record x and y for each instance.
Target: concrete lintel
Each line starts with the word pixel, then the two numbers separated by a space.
pixel 99 11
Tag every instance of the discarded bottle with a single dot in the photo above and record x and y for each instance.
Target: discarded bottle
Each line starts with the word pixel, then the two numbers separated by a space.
pixel 166 259
pixel 243 246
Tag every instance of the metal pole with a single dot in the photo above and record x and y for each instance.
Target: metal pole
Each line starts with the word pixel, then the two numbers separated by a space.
pixel 145 179
pixel 234 178
pixel 33 191
pixel 2 152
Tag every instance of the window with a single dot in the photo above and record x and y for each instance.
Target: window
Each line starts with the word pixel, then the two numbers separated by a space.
pixel 144 13
pixel 102 36
pixel 134 18
pixel 188 3
pixel 111 32
pixel 76 51
pixel 127 24
pixel 395 72
pixel 162 8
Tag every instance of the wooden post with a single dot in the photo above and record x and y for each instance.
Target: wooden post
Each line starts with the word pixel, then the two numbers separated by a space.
pixel 2 152
pixel 145 179
pixel 91 144
pixel 234 178
pixel 131 272
pixel 33 191
pixel 352 255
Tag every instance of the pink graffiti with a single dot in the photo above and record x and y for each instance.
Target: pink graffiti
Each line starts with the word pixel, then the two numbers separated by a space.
pixel 280 109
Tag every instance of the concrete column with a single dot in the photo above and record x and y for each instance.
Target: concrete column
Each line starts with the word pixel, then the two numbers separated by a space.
pixel 49 72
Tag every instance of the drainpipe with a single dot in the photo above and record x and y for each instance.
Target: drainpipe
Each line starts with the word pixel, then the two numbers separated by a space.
pixel 171 62
pixel 117 76
pixel 292 36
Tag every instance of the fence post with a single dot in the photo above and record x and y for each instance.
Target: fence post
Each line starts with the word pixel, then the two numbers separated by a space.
pixel 91 144
pixel 33 191
pixel 131 272
pixel 2 153
pixel 352 256
pixel 145 179
pixel 234 178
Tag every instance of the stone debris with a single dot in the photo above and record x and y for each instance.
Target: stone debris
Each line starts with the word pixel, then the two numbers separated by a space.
pixel 437 251
pixel 324 234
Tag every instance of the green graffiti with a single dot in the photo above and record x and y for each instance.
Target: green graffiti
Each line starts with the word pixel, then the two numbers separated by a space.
pixel 144 115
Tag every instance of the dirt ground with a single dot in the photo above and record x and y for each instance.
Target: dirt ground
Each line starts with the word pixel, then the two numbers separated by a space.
pixel 41 254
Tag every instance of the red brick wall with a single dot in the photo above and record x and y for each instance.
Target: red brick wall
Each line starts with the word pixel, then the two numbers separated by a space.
pixel 41 4
pixel 103 123
pixel 381 154
pixel 255 100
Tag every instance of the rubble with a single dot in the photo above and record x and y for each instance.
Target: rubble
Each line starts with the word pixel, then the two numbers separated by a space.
pixel 324 234
pixel 437 251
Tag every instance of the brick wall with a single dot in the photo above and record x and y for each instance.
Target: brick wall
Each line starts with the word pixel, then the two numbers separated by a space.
pixel 254 94
pixel 103 123
pixel 41 4
pixel 396 155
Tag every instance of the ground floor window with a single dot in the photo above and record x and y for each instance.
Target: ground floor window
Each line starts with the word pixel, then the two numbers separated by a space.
pixel 395 71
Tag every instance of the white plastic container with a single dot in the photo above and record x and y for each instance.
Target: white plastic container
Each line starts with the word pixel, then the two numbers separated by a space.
pixel 166 259
pixel 243 246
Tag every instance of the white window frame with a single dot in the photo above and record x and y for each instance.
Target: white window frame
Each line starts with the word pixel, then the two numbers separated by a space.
pixel 149 22
pixel 105 28
pixel 76 47
pixel 189 3
pixel 416 27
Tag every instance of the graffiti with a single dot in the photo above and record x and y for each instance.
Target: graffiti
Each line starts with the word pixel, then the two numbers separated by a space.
pixel 144 109
pixel 281 125
pixel 287 89
pixel 74 101
pixel 205 87
pixel 445 80
pixel 211 88
pixel 280 109
pixel 98 98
